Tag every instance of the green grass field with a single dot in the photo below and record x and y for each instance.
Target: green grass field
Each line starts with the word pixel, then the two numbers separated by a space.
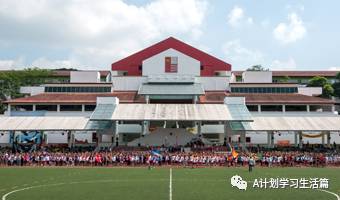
pixel 144 184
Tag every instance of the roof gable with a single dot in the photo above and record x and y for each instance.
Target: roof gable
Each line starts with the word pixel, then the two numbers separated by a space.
pixel 210 63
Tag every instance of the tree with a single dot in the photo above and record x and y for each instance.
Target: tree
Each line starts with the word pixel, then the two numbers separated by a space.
pixel 257 68
pixel 11 81
pixel 319 81
pixel 284 79
pixel 336 85
pixel 327 91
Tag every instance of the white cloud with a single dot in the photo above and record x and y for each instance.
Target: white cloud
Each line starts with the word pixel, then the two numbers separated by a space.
pixel 334 69
pixel 9 64
pixel 96 34
pixel 237 16
pixel 290 32
pixel 289 64
pixel 240 56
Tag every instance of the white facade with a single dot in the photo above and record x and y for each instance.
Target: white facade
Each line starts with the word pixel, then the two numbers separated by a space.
pixel 310 91
pixel 257 77
pixel 186 64
pixel 4 137
pixel 127 83
pixel 85 77
pixel 220 83
pixel 32 90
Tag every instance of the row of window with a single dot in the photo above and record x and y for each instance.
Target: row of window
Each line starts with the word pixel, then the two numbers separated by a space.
pixel 78 89
pixel 264 90
pixel 52 107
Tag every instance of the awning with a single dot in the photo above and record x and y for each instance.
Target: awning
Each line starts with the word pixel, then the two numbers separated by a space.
pixel 181 112
pixel 42 123
pixel 171 89
pixel 290 123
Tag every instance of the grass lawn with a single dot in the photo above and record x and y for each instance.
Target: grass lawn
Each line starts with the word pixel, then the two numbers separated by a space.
pixel 144 184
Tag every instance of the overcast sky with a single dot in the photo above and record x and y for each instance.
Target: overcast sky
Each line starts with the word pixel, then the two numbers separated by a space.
pixel 87 34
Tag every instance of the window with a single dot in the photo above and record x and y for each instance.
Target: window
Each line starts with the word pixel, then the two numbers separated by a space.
pixel 90 107
pixel 252 108
pixel 171 64
pixel 271 108
pixel 46 107
pixel 70 107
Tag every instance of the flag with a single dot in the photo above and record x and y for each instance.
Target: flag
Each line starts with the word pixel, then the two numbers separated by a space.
pixel 234 153
pixel 156 153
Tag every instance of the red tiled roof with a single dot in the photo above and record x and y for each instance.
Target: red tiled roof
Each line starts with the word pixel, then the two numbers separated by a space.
pixel 77 98
pixel 209 63
pixel 267 98
pixel 297 73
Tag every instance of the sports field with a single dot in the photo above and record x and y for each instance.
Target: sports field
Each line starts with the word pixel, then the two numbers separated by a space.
pixel 156 184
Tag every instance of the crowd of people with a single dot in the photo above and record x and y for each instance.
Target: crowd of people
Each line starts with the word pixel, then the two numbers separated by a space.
pixel 174 158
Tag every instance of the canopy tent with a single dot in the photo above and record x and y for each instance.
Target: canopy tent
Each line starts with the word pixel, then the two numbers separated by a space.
pixel 290 123
pixel 181 112
pixel 43 123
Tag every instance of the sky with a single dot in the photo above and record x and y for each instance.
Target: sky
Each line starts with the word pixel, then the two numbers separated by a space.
pixel 87 34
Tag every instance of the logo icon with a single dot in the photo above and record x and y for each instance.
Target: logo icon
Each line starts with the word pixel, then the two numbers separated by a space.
pixel 237 181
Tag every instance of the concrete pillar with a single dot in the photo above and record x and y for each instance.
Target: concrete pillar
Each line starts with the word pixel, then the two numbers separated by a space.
pixel 34 107
pixel 82 108
pixel 269 140
pixel 116 132
pixel 300 140
pixel 227 132
pixel 295 139
pixel 194 99
pixel 58 107
pixel 258 108
pixel 328 138
pixel 9 109
pixel 308 108
pixel 147 99
pixel 323 138
pixel 283 108
pixel 272 143
pixel 70 137
pixel 199 129
pixel 243 140
pixel 333 108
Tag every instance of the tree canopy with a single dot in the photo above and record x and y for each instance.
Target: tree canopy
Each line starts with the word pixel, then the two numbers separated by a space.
pixel 320 81
pixel 11 81
pixel 257 68
pixel 336 85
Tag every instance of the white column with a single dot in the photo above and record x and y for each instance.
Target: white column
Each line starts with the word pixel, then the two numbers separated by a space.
pixel 323 138
pixel 333 108
pixel 116 131
pixel 227 132
pixel 82 108
pixel 300 140
pixel 243 140
pixel 269 140
pixel 259 108
pixel 199 129
pixel 194 99
pixel 147 99
pixel 308 108
pixel 58 107
pixel 9 109
pixel 34 107
pixel 283 108
pixel 328 138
